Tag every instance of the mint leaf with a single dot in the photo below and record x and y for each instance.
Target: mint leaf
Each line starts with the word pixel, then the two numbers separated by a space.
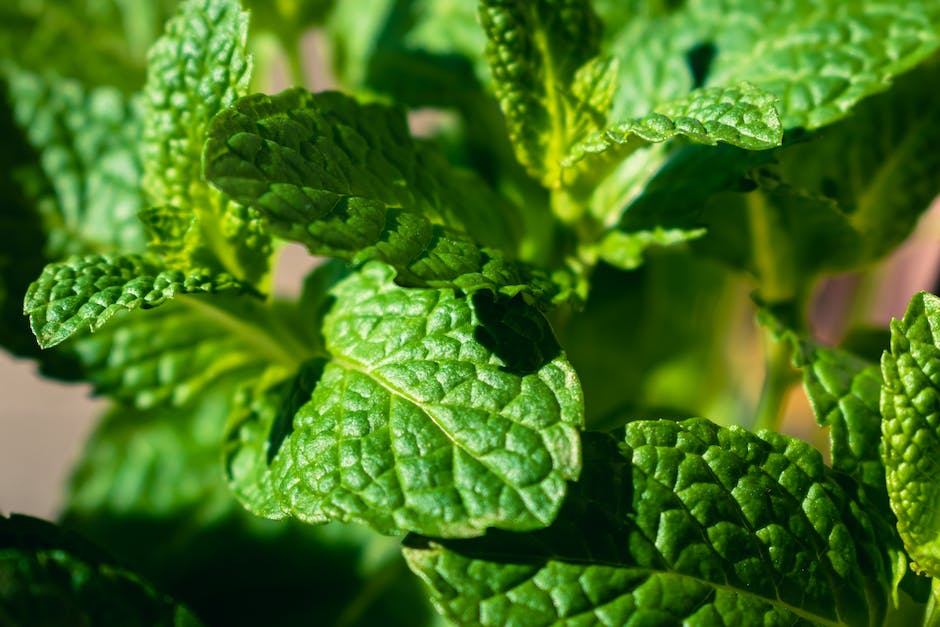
pixel 826 56
pixel 535 51
pixel 131 362
pixel 742 115
pixel 845 392
pixel 183 93
pixel 85 140
pixel 261 418
pixel 687 522
pixel 346 180
pixel 819 58
pixel 85 292
pixel 435 411
pixel 50 577
pixel 910 431
pixel 194 227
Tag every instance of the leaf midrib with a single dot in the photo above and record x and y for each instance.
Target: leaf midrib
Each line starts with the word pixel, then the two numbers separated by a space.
pixel 364 370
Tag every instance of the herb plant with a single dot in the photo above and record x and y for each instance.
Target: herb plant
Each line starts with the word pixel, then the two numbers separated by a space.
pixel 510 370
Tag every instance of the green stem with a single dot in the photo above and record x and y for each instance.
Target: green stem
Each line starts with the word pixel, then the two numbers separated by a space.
pixel 932 615
pixel 778 378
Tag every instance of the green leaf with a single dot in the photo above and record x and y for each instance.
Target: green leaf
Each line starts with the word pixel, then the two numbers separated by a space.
pixel 845 392
pixel 168 355
pixel 435 411
pixel 156 475
pixel 85 292
pixel 103 42
pixel 50 577
pixel 825 56
pixel 625 250
pixel 86 143
pixel 346 180
pixel 541 57
pixel 687 523
pixel 192 226
pixel 819 58
pixel 742 115
pixel 910 429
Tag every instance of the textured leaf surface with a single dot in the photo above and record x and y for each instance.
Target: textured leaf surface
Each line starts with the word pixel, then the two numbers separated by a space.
pixel 535 51
pixel 742 115
pixel 911 428
pixel 845 392
pixel 155 474
pixel 819 58
pixel 436 412
pixel 199 67
pixel 49 577
pixel 134 362
pixel 85 292
pixel 346 180
pixel 687 523
pixel 86 142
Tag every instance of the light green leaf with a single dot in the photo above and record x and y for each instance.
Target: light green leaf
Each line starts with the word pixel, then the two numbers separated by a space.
pixel 910 429
pixel 435 411
pixel 347 181
pixel 86 142
pixel 165 356
pixel 657 69
pixel 845 391
pixel 85 292
pixel 742 115
pixel 625 250
pixel 196 69
pixel 687 523
pixel 50 577
pixel 537 53
pixel 819 58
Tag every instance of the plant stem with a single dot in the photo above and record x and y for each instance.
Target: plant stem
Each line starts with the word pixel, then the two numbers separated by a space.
pixel 778 378
pixel 932 615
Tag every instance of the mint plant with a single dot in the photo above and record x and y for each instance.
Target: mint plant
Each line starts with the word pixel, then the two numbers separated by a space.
pixel 507 375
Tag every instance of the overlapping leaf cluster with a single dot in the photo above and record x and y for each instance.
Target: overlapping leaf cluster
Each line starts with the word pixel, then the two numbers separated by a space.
pixel 420 383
